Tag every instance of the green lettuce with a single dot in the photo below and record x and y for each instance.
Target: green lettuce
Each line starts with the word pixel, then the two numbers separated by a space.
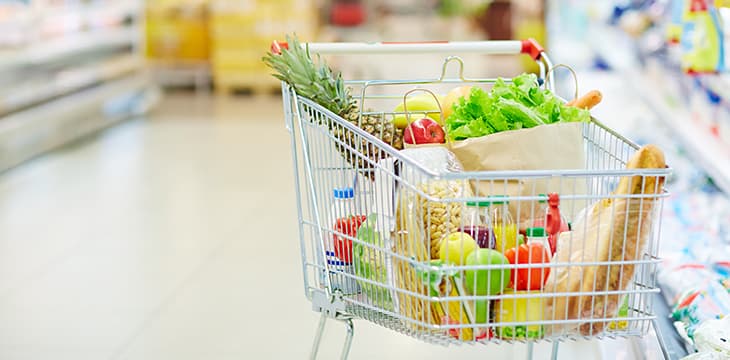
pixel 507 106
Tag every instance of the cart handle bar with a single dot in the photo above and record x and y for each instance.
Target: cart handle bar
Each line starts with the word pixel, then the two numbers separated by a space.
pixel 499 47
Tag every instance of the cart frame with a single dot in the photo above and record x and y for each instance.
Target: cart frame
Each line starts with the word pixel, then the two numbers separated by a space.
pixel 332 303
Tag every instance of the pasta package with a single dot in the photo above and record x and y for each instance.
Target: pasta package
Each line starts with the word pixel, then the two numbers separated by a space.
pixel 424 216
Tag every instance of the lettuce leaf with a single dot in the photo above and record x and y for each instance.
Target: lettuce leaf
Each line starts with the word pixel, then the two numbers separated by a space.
pixel 513 105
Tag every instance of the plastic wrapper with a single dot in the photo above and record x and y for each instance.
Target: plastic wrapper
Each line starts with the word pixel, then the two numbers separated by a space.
pixel 420 226
pixel 439 218
pixel 372 263
pixel 697 293
pixel 712 340
pixel 613 231
pixel 434 158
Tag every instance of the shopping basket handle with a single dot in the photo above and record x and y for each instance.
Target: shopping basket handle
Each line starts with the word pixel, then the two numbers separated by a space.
pixel 499 47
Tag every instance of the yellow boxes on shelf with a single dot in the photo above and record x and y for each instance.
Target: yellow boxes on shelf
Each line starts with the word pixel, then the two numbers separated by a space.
pixel 242 31
pixel 177 30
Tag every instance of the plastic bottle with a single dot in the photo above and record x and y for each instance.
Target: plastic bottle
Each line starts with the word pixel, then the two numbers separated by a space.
pixel 702 39
pixel 504 228
pixel 555 222
pixel 477 223
pixel 344 218
pixel 538 235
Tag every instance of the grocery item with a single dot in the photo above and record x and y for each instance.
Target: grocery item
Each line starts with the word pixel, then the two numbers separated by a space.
pixel 480 233
pixel 409 244
pixel 424 131
pixel 712 340
pixel 345 222
pixel 623 312
pixel 509 106
pixel 522 308
pixel 371 263
pixel 537 235
pixel 504 228
pixel 486 281
pixel 611 230
pixel 455 247
pixel 339 274
pixel 452 99
pixel 347 226
pixel 555 223
pixel 315 80
pixel 528 278
pixel 702 39
pixel 437 159
pixel 699 304
pixel 442 283
pixel 528 149
pixel 477 224
pixel 418 106
pixel 587 101
pixel 441 218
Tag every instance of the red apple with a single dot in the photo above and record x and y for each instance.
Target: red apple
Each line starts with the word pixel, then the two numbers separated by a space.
pixel 424 131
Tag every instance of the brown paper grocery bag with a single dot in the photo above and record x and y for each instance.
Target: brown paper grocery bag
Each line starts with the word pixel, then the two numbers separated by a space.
pixel 546 147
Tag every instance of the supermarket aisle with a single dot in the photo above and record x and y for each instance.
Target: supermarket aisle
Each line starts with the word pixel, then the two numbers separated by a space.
pixel 172 238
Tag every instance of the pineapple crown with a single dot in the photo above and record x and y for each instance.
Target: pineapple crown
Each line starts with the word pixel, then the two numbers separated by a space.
pixel 313 80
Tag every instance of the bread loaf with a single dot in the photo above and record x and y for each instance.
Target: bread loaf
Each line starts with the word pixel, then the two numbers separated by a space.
pixel 612 230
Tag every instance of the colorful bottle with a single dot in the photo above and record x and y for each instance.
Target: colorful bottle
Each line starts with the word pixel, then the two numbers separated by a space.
pixel 702 39
pixel 526 308
pixel 555 223
pixel 679 9
pixel 503 227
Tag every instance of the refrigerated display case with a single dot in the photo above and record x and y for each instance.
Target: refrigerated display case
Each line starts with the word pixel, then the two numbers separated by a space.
pixel 65 72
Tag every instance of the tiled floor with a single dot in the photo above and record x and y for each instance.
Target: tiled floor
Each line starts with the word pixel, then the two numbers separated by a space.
pixel 174 238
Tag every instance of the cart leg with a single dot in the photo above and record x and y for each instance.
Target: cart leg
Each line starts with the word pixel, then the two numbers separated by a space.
pixel 554 354
pixel 348 339
pixel 318 337
pixel 320 330
pixel 529 350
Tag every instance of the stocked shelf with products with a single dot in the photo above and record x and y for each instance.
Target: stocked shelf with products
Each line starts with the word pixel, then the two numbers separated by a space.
pixel 74 57
pixel 689 127
pixel 688 115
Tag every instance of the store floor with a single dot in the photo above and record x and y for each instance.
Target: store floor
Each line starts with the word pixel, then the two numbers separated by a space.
pixel 174 237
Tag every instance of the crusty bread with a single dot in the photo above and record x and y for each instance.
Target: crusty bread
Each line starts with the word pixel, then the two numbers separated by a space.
pixel 613 230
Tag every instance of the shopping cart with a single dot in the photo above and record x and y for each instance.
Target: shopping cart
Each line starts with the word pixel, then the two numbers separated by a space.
pixel 390 279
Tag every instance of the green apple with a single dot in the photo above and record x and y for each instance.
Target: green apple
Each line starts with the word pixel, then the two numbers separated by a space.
pixel 455 248
pixel 486 282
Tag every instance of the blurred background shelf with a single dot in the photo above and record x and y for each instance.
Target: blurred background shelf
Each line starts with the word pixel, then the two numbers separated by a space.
pixel 705 147
pixel 78 44
pixel 29 133
pixel 42 87
pixel 64 65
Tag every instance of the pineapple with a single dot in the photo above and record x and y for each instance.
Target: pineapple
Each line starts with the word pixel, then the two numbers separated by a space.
pixel 316 81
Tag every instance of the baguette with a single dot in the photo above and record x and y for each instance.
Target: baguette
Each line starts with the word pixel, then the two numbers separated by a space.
pixel 587 101
pixel 613 230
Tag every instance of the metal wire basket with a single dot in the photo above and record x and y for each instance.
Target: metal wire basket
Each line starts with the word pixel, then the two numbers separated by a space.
pixel 407 208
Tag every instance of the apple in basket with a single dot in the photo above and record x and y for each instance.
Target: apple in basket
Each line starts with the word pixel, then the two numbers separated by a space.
pixel 424 131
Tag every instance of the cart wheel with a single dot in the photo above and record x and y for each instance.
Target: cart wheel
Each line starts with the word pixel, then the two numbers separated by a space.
pixel 320 330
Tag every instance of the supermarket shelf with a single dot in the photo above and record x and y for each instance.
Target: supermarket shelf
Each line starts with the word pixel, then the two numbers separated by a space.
pixel 719 84
pixel 709 153
pixel 66 82
pixel 32 132
pixel 67 46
